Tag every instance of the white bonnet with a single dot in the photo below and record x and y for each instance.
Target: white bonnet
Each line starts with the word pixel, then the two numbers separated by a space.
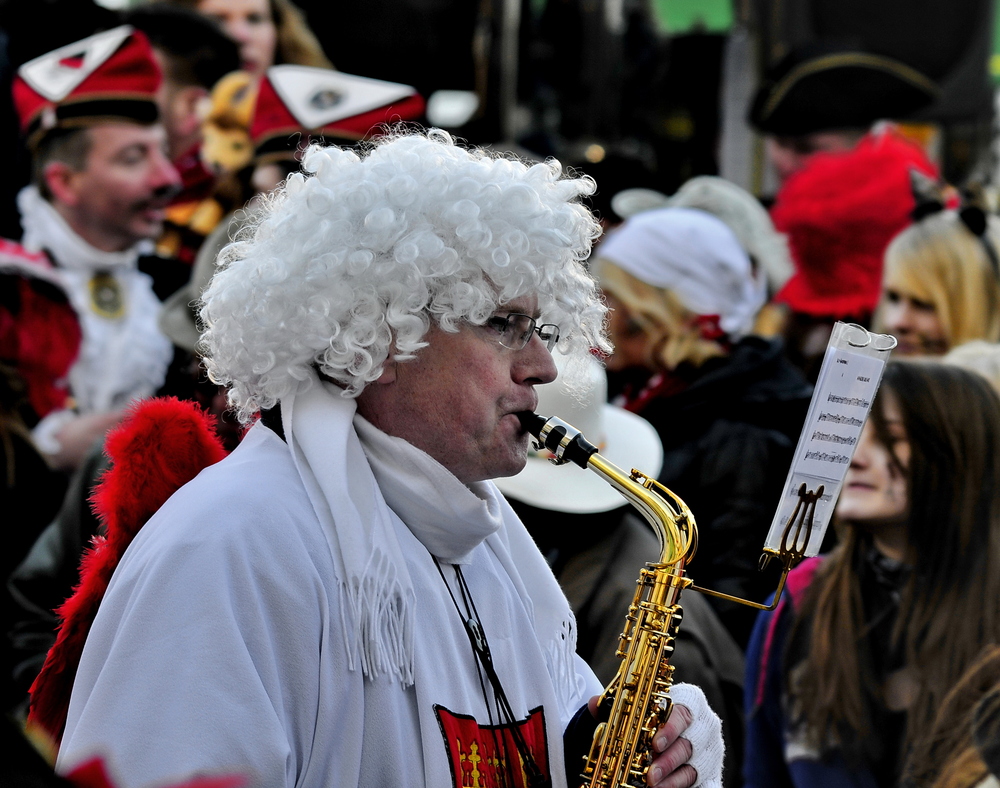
pixel 694 255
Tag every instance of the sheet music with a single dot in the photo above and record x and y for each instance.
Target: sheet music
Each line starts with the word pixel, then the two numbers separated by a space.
pixel 845 390
pixel 844 398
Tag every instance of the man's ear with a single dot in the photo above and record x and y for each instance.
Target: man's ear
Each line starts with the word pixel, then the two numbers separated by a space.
pixel 61 180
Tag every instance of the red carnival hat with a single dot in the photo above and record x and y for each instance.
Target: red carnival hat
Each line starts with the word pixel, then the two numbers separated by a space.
pixel 109 76
pixel 296 101
pixel 840 212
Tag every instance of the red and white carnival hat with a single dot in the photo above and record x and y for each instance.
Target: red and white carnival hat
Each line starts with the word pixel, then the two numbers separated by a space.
pixel 302 101
pixel 110 76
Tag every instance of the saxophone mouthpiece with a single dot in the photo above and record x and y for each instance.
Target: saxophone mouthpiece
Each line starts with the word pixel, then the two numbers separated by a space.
pixel 566 442
pixel 531 423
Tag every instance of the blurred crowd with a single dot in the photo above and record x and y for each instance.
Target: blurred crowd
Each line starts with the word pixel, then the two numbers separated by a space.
pixel 150 140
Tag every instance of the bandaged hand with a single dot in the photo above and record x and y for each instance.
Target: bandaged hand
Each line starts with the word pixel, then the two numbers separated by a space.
pixel 688 750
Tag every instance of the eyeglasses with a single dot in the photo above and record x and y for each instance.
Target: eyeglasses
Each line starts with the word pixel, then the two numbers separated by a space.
pixel 515 331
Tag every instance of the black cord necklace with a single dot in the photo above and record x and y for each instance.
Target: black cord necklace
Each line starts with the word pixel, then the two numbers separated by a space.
pixel 484 664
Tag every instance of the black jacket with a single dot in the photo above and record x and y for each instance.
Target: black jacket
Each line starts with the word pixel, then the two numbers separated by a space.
pixel 728 441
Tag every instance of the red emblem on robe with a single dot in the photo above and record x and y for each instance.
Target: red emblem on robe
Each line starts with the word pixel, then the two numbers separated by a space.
pixel 486 756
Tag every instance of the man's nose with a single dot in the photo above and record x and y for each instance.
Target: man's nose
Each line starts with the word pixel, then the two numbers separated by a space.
pixel 164 179
pixel 535 363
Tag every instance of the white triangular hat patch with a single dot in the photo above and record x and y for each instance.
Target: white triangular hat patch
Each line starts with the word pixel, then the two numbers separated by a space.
pixel 317 97
pixel 56 74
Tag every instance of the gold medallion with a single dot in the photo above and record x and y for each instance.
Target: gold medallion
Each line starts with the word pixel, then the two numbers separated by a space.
pixel 106 298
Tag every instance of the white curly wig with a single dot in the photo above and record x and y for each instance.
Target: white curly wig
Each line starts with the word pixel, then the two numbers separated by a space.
pixel 350 260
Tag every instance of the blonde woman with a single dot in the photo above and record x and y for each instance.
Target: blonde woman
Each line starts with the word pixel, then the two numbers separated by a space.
pixel 941 286
pixel 727 405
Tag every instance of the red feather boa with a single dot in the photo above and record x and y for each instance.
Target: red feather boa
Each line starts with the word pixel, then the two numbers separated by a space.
pixel 161 445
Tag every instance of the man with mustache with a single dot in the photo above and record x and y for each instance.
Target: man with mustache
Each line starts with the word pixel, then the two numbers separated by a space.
pixel 101 183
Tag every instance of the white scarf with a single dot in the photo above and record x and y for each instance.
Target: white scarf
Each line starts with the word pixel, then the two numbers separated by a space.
pixel 352 468
pixel 120 358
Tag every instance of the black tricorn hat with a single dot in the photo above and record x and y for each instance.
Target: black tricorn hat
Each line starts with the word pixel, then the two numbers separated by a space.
pixel 812 90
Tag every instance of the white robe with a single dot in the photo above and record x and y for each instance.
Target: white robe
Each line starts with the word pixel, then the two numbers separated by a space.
pixel 219 647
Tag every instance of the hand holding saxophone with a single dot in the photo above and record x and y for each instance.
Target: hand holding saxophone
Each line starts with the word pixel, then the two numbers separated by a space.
pixel 670 767
pixel 688 750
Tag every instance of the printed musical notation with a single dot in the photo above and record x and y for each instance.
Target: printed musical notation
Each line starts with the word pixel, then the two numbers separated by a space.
pixel 832 437
pixel 854 402
pixel 844 392
pixel 836 418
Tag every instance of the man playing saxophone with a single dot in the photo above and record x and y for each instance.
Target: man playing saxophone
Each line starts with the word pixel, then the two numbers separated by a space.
pixel 347 599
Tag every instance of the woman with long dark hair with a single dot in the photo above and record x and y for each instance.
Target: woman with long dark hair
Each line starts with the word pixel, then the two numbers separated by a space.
pixel 845 677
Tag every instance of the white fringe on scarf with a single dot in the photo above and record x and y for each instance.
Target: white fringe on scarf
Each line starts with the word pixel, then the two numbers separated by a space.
pixel 356 476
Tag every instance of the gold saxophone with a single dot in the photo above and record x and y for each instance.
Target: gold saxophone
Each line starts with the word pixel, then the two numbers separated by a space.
pixel 637 701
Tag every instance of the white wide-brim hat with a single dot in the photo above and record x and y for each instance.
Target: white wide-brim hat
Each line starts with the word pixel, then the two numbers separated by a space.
pixel 623 438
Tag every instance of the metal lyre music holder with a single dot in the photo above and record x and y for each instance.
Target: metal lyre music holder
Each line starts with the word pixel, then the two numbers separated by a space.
pixel 842 398
pixel 794 540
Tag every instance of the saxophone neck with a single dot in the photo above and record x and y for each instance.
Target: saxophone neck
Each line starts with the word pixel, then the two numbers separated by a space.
pixel 668 515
